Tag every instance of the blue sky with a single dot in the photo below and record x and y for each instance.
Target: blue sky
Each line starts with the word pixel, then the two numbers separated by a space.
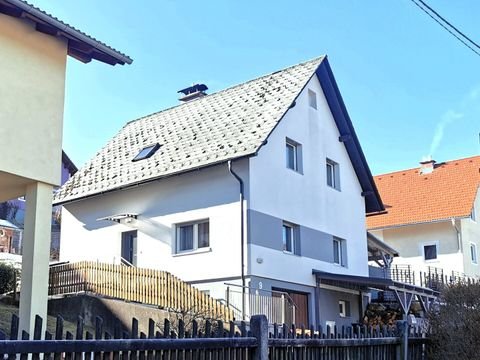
pixel 410 88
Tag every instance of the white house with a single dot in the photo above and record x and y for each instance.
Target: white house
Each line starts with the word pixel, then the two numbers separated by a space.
pixel 262 184
pixel 431 217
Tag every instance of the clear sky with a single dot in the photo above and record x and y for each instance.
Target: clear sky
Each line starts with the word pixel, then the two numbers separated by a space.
pixel 411 89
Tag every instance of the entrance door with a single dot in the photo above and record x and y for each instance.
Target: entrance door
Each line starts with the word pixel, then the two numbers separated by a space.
pixel 129 244
pixel 300 301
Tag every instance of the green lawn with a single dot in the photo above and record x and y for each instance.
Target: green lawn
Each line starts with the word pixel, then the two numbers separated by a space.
pixel 6 312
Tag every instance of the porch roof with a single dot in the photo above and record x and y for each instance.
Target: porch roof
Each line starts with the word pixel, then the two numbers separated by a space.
pixel 356 282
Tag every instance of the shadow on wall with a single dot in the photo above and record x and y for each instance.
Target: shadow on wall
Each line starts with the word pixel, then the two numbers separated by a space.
pixel 113 312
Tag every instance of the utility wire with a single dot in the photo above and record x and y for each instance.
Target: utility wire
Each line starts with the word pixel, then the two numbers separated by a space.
pixel 446 28
pixel 449 24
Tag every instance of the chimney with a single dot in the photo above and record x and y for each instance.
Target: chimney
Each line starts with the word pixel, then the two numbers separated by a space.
pixel 193 92
pixel 427 165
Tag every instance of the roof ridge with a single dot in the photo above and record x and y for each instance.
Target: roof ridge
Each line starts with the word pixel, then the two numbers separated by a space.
pixel 303 63
pixel 418 167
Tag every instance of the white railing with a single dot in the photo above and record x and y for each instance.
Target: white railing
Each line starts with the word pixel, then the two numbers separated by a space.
pixel 277 306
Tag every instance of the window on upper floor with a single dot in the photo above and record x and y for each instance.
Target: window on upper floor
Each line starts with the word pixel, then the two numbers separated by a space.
pixel 192 236
pixel 339 251
pixel 146 152
pixel 291 238
pixel 312 99
pixel 473 216
pixel 344 308
pixel 473 253
pixel 430 252
pixel 333 174
pixel 293 155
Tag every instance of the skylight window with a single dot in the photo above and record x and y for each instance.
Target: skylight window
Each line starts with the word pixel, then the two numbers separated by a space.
pixel 146 152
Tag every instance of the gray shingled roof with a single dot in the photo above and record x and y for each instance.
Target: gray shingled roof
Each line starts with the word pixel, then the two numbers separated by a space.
pixel 226 125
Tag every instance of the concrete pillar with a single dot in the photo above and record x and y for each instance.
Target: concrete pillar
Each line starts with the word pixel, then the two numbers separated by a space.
pixel 36 255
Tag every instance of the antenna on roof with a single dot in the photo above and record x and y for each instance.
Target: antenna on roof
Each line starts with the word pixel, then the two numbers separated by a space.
pixel 193 92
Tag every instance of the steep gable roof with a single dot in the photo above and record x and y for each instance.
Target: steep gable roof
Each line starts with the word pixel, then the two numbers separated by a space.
pixel 447 192
pixel 213 129
pixel 80 45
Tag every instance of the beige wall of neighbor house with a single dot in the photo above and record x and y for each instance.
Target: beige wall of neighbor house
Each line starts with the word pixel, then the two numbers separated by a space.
pixel 410 240
pixel 32 88
pixel 32 69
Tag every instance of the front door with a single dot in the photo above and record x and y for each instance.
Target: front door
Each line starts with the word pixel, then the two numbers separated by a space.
pixel 129 244
pixel 300 302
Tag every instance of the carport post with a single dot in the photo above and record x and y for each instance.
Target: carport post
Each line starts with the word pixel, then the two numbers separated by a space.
pixel 36 255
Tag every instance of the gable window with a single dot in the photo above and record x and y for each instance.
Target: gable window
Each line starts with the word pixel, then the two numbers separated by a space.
pixel 312 99
pixel 344 308
pixel 192 236
pixel 473 253
pixel 291 239
pixel 333 174
pixel 473 215
pixel 146 152
pixel 430 252
pixel 339 252
pixel 293 155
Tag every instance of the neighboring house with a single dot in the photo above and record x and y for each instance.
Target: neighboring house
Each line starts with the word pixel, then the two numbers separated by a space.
pixel 34 47
pixel 431 216
pixel 14 214
pixel 258 185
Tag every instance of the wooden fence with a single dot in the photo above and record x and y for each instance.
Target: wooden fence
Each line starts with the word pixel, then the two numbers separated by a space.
pixel 213 341
pixel 145 286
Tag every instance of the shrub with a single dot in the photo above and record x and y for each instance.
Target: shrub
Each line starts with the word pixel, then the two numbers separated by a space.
pixel 7 278
pixel 455 323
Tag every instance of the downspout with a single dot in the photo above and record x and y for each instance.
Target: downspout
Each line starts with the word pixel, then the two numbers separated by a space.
pixel 459 239
pixel 242 233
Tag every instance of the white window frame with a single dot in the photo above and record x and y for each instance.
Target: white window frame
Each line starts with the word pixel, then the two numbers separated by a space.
pixel 473 255
pixel 340 244
pixel 343 313
pixel 294 235
pixel 333 168
pixel 195 236
pixel 312 99
pixel 429 243
pixel 297 155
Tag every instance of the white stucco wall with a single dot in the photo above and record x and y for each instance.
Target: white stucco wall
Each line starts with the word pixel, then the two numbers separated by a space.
pixel 207 194
pixel 32 73
pixel 305 199
pixel 470 233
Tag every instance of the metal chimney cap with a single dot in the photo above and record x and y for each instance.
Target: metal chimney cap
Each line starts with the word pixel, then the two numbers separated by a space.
pixel 193 89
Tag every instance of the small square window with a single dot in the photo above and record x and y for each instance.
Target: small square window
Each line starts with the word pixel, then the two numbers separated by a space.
pixel 344 308
pixel 293 155
pixel 312 99
pixel 473 253
pixel 192 236
pixel 333 174
pixel 339 249
pixel 430 252
pixel 290 238
pixel 146 152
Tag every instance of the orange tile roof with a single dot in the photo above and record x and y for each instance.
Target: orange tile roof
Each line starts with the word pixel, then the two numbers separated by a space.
pixel 410 197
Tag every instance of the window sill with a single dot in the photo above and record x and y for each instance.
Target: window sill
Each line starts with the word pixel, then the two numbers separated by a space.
pixel 334 188
pixel 295 171
pixel 193 252
pixel 290 253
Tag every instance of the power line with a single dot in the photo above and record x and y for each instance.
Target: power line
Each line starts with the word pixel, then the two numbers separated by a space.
pixel 445 26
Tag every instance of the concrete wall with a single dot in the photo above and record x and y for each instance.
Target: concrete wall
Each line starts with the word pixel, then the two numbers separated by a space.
pixel 32 69
pixel 303 198
pixel 329 307
pixel 211 194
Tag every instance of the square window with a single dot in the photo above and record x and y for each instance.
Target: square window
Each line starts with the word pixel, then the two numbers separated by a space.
pixel 344 308
pixel 192 236
pixel 473 253
pixel 430 252
pixel 339 249
pixel 146 152
pixel 290 238
pixel 312 99
pixel 333 174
